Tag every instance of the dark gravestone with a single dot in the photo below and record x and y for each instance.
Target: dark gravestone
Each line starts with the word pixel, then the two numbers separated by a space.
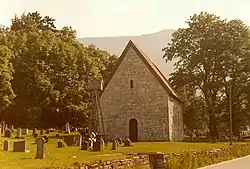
pixel 57 135
pixel 6 145
pixel 97 146
pixel 47 131
pixel 46 138
pixel 41 132
pixel 120 140
pixel 60 144
pixel 35 135
pixel 127 143
pixel 156 160
pixel 114 144
pixel 7 133
pixel 69 140
pixel 34 131
pixel 19 146
pixel 85 145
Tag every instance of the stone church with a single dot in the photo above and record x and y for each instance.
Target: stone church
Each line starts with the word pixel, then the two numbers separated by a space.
pixel 138 102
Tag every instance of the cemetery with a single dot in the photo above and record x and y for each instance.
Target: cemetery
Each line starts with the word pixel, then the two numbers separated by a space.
pixel 50 148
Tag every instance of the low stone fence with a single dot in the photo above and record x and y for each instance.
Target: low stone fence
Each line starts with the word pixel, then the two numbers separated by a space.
pixel 140 160
pixel 158 160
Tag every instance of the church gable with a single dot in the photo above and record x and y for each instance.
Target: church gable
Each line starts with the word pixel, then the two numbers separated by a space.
pixel 132 71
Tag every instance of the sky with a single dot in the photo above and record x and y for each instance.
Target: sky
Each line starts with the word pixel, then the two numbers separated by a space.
pixel 101 18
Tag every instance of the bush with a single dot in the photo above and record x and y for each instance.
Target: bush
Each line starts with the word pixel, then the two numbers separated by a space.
pixel 193 160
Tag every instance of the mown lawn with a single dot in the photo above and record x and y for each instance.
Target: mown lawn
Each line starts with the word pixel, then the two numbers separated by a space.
pixel 68 155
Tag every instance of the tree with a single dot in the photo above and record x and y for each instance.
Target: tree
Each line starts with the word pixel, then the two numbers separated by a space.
pixel 6 93
pixel 207 52
pixel 52 71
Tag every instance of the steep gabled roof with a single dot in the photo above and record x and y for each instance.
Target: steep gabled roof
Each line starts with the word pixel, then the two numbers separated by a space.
pixel 151 66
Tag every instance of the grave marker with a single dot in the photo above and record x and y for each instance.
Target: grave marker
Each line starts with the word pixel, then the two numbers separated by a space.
pixel 7 133
pixel 6 144
pixel 40 151
pixel 19 146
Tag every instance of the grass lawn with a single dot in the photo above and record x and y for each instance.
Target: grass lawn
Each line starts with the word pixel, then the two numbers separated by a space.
pixel 65 156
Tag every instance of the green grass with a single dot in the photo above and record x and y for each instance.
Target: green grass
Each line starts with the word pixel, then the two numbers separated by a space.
pixel 65 156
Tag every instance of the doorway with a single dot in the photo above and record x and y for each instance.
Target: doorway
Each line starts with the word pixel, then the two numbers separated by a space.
pixel 133 130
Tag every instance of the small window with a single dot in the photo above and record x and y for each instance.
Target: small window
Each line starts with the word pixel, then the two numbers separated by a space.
pixel 131 84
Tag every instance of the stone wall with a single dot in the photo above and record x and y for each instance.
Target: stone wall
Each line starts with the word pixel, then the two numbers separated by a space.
pixel 147 102
pixel 119 164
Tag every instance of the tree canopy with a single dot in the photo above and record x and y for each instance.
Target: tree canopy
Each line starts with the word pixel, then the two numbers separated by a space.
pixel 208 53
pixel 45 72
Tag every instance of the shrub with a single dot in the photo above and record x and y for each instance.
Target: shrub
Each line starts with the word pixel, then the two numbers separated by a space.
pixel 193 160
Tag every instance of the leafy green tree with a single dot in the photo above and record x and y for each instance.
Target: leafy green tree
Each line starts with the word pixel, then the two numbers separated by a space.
pixel 207 52
pixel 52 72
pixel 6 70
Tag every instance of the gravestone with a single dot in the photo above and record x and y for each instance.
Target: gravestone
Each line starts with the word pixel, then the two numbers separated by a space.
pixel 114 144
pixel 90 143
pixel 6 144
pixel 40 150
pixel 85 145
pixel 25 131
pixel 57 135
pixel 60 144
pixel 46 138
pixel 156 160
pixel 97 146
pixel 69 140
pixel 77 140
pixel 12 128
pixel 19 146
pixel 7 133
pixel 120 140
pixel 35 135
pixel 67 128
pixel 36 139
pixel 127 143
pixel 102 143
pixel 47 131
pixel 19 133
pixel 41 132
pixel 1 129
pixel 34 131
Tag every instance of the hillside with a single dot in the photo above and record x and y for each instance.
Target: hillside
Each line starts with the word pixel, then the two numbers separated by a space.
pixel 151 44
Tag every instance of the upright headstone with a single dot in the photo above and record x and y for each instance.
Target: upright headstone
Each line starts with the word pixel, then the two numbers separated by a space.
pixel 156 160
pixel 47 131
pixel 120 140
pixel 67 128
pixel 35 135
pixel 25 131
pixel 7 133
pixel 34 131
pixel 85 145
pixel 69 140
pixel 46 138
pixel 19 146
pixel 1 129
pixel 12 128
pixel 114 144
pixel 6 144
pixel 127 143
pixel 97 146
pixel 102 143
pixel 36 139
pixel 19 132
pixel 41 132
pixel 40 151
pixel 60 144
